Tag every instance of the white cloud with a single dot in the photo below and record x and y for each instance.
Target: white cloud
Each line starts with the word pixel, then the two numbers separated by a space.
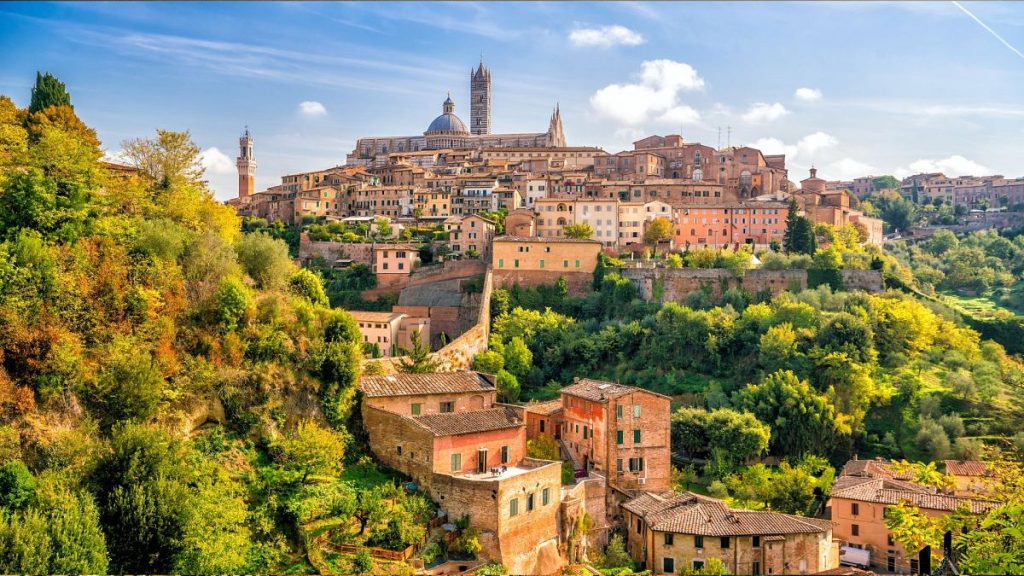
pixel 764 112
pixel 312 109
pixel 808 94
pixel 605 36
pixel 806 146
pixel 216 162
pixel 955 165
pixel 654 98
pixel 848 169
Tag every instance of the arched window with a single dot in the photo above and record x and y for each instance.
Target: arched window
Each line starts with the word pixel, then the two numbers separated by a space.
pixel 698 174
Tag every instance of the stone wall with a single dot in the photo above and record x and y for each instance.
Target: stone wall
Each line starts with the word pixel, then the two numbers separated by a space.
pixel 459 353
pixel 388 431
pixel 359 253
pixel 585 497
pixel 578 282
pixel 675 284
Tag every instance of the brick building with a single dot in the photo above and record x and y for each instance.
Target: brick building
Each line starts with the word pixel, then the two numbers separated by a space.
pixel 529 261
pixel 619 431
pixel 447 433
pixel 667 532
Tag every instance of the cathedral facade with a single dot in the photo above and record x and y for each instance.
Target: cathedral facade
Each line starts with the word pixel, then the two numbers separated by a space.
pixel 449 132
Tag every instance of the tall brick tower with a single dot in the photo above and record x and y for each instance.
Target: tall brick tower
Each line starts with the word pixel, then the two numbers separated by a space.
pixel 246 165
pixel 480 99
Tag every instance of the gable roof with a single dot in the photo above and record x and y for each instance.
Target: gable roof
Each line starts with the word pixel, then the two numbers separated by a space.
pixel 544 408
pixel 455 423
pixel 887 491
pixel 600 390
pixel 425 384
pixel 689 513
pixel 968 468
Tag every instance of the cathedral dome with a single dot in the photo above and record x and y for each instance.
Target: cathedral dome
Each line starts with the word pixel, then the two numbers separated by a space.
pixel 447 122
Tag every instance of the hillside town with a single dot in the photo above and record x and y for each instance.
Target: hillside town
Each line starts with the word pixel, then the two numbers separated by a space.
pixel 429 213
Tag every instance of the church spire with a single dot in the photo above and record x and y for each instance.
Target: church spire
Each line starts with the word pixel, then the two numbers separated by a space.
pixel 556 133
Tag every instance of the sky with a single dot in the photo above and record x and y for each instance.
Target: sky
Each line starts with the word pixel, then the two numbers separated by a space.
pixel 854 89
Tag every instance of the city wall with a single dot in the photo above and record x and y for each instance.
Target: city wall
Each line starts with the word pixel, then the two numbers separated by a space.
pixel 675 284
pixel 578 282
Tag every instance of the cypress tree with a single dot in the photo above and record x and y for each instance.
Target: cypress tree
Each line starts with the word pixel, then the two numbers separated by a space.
pixel 47 92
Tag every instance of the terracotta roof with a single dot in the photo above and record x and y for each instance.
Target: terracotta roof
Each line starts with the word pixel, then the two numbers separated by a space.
pixel 885 491
pixel 689 513
pixel 844 571
pixel 454 423
pixel 968 468
pixel 360 315
pixel 877 468
pixel 558 240
pixel 599 390
pixel 544 408
pixel 417 384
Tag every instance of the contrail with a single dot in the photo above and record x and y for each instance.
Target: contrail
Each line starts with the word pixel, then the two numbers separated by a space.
pixel 985 26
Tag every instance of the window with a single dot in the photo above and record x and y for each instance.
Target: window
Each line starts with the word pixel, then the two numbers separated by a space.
pixel 565 263
pixel 890 563
pixel 618 436
pixel 668 565
pixel 399 449
pixel 636 464
pixel 529 502
pixel 618 465
pixel 698 564
pixel 542 426
pixel 698 542
pixel 416 409
pixel 618 411
pixel 447 407
pixel 855 530
pixel 545 497
pixel 636 436
pixel 639 526
pixel 889 540
pixel 456 462
pixel 577 263
pixel 914 566
pixel 636 410
pixel 501 262
pixel 725 542
pixel 756 569
pixel 584 432
pixel 504 454
pixel 513 507
pixel 756 542
pixel 517 263
pixel 542 263
pixel 855 508
pixel 668 541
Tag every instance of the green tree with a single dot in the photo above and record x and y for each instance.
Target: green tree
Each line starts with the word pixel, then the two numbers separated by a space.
pixel 48 91
pixel 73 525
pixel 264 259
pixel 615 554
pixel 792 490
pixel 581 230
pixel 726 436
pixel 215 535
pixel 543 447
pixel 802 420
pixel 489 362
pixel 234 301
pixel 712 567
pixel 313 449
pixel 508 386
pixel 382 228
pixel 17 485
pixel 518 358
pixel 130 385
pixel 171 159
pixel 25 546
pixel 777 347
pixel 418 360
pixel 141 488
pixel 308 285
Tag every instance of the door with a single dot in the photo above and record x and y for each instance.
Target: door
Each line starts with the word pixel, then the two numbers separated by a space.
pixel 481 461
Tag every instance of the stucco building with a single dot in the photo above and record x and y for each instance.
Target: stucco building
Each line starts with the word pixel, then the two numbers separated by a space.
pixel 530 260
pixel 390 331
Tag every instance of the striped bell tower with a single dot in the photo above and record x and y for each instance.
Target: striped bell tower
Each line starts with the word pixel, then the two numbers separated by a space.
pixel 480 100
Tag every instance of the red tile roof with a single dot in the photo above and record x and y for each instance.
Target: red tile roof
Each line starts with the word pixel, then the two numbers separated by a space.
pixel 886 491
pixel 544 408
pixel 689 513
pixel 455 423
pixel 599 390
pixel 417 384
pixel 969 468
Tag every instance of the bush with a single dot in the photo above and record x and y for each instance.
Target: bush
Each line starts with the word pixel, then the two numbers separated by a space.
pixel 264 259
pixel 308 285
pixel 233 302
pixel 17 485
pixel 362 561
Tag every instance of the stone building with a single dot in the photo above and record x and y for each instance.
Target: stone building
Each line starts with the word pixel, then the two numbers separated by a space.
pixel 667 532
pixel 390 331
pixel 246 165
pixel 469 454
pixel 448 131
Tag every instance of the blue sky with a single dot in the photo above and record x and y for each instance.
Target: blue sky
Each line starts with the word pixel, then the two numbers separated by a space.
pixel 852 88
